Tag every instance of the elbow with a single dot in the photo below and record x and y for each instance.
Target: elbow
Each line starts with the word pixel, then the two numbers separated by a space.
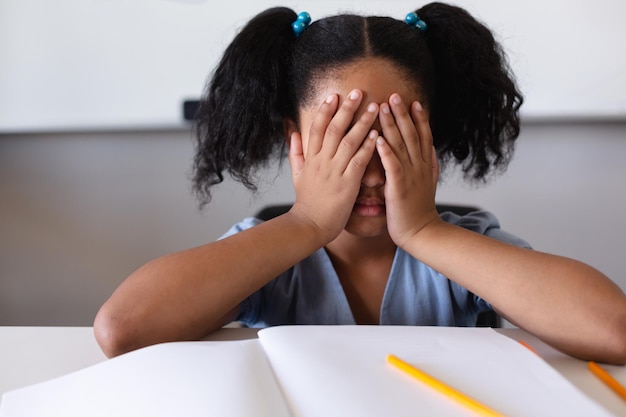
pixel 604 341
pixel 110 334
pixel 618 336
pixel 610 346
pixel 613 354
pixel 616 348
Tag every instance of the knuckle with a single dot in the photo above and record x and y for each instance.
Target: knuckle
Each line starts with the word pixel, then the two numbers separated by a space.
pixel 358 162
pixel 334 130
pixel 401 148
pixel 349 142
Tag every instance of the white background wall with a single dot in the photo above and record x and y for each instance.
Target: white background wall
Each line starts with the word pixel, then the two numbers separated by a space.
pixel 131 63
pixel 79 212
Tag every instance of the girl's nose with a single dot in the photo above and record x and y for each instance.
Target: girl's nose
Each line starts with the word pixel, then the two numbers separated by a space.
pixel 374 175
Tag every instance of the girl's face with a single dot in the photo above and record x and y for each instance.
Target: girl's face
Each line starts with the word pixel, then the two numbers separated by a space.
pixel 378 79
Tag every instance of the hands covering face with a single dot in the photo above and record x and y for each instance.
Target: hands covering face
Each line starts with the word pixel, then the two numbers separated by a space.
pixel 327 177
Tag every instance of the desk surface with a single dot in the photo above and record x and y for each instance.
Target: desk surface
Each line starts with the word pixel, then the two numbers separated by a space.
pixel 33 354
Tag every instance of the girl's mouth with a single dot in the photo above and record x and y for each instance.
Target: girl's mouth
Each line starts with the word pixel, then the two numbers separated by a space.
pixel 369 207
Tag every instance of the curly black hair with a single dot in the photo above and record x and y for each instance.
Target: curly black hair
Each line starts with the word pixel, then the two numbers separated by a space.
pixel 267 73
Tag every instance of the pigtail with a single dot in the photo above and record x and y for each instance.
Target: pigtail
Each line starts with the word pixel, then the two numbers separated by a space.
pixel 240 121
pixel 475 113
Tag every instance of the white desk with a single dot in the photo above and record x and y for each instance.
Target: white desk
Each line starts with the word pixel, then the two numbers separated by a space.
pixel 33 354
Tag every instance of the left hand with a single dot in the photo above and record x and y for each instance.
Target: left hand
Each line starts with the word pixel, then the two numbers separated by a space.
pixel 411 169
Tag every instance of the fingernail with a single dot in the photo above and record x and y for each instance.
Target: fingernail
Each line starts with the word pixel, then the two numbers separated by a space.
pixel 417 106
pixel 395 99
pixel 330 98
pixel 354 94
pixel 373 134
pixel 384 108
pixel 380 140
pixel 372 108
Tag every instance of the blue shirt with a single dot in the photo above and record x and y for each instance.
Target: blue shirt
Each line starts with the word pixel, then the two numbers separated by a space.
pixel 310 292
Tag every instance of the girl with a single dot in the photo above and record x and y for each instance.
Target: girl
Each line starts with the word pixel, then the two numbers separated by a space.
pixel 369 107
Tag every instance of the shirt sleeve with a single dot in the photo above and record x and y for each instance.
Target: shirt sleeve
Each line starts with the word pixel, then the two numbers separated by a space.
pixel 246 223
pixel 250 306
pixel 485 223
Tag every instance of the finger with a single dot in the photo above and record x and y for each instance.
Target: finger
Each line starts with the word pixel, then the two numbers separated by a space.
pixel 296 155
pixel 389 159
pixel 406 126
pixel 340 123
pixel 353 140
pixel 423 129
pixel 358 163
pixel 320 123
pixel 391 133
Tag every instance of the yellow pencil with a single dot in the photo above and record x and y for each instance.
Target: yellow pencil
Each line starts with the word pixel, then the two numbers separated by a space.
pixel 444 389
pixel 607 379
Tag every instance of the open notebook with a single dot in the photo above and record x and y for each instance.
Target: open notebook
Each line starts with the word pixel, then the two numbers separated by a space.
pixel 311 371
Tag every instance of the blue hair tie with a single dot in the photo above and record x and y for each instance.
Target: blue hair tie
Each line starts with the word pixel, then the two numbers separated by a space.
pixel 301 23
pixel 412 19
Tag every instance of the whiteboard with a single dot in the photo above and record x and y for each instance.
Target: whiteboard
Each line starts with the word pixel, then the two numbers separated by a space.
pixel 129 64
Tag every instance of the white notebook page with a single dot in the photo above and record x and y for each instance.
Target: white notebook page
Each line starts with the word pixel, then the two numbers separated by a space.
pixel 186 379
pixel 341 371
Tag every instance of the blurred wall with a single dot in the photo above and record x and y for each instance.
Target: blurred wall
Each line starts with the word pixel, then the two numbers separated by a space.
pixel 80 211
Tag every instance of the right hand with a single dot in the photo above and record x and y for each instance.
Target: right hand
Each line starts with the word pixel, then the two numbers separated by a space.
pixel 411 169
pixel 327 179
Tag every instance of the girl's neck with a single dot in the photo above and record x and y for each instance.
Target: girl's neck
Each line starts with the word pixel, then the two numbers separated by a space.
pixel 363 266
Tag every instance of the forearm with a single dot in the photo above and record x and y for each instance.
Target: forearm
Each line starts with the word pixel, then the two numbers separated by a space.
pixel 565 302
pixel 185 295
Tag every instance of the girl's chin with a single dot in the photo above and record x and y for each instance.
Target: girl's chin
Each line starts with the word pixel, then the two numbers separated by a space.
pixel 367 226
